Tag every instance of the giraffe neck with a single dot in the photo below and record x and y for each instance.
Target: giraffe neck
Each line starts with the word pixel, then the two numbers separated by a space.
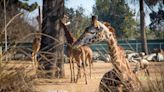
pixel 70 39
pixel 118 57
pixel 121 65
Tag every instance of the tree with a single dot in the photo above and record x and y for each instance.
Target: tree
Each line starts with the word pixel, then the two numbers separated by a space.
pixel 78 20
pixel 156 19
pixel 19 27
pixel 52 46
pixel 142 29
pixel 118 14
pixel 18 4
pixel 156 15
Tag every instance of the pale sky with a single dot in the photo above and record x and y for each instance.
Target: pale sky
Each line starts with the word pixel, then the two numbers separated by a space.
pixel 86 4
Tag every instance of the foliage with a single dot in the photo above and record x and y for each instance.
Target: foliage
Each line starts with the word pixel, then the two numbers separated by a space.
pixel 18 4
pixel 19 26
pixel 157 14
pixel 15 79
pixel 78 20
pixel 118 14
pixel 157 20
pixel 154 34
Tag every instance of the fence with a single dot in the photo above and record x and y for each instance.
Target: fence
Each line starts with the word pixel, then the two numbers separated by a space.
pixel 134 45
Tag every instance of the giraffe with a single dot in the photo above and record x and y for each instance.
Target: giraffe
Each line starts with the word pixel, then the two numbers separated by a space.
pixel 121 76
pixel 142 64
pixel 81 55
pixel 35 48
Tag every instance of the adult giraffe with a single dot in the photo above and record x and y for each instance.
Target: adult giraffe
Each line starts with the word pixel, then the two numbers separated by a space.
pixel 121 76
pixel 81 55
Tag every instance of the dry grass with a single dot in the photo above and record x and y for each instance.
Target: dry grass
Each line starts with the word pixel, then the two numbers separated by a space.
pixel 15 78
pixel 152 83
pixel 99 70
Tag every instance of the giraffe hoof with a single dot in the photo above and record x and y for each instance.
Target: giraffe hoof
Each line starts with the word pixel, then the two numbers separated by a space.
pixel 76 81
pixel 71 81
pixel 86 83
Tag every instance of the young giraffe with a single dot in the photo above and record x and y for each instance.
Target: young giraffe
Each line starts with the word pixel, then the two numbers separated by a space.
pixel 80 55
pixel 35 48
pixel 121 75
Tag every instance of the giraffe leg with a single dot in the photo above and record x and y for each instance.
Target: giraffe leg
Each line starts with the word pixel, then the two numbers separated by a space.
pixel 33 59
pixel 35 64
pixel 70 63
pixel 78 73
pixel 83 65
pixel 73 70
pixel 147 72
pixel 90 71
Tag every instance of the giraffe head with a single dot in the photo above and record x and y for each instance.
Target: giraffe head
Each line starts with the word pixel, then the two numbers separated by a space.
pixel 65 20
pixel 95 33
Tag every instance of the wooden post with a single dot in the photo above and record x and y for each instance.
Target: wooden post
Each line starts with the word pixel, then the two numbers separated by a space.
pixel 40 18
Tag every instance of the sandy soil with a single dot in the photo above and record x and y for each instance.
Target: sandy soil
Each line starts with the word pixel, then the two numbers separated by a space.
pixel 64 85
pixel 100 68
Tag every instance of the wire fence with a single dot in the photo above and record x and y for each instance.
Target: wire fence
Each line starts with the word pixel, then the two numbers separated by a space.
pixel 26 48
pixel 134 45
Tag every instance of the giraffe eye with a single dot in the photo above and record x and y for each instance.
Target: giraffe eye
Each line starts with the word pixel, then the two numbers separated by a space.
pixel 91 32
pixel 97 27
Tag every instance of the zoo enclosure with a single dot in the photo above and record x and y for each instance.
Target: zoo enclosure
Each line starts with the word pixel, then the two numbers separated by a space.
pixel 134 45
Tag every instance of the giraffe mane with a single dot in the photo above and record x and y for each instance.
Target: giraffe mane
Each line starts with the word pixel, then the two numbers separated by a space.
pixel 111 29
pixel 70 39
pixel 102 25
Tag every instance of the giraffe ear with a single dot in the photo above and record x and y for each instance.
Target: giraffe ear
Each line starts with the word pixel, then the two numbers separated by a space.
pixel 107 24
pixel 112 30
pixel 94 21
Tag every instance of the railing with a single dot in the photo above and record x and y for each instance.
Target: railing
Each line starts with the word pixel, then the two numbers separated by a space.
pixel 134 45
pixel 137 46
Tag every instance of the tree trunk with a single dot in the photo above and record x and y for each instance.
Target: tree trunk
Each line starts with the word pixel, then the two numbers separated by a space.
pixel 142 23
pixel 52 49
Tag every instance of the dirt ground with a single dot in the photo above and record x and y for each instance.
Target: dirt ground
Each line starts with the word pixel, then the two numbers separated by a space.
pixel 100 68
pixel 64 85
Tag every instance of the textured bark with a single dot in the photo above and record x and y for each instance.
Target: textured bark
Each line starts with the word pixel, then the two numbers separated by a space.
pixel 53 11
pixel 142 24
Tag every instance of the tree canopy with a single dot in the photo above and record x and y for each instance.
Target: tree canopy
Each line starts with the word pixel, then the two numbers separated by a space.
pixel 118 14
pixel 14 7
pixel 156 15
pixel 78 20
pixel 18 4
